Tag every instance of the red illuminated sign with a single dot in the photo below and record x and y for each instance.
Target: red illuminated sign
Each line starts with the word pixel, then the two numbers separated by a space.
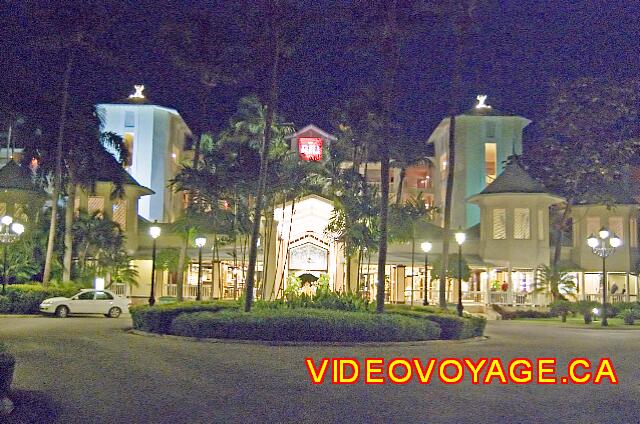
pixel 310 148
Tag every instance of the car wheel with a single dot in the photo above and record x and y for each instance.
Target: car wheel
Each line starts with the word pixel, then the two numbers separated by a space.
pixel 62 312
pixel 114 312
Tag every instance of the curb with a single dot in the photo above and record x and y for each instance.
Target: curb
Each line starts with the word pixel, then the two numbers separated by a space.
pixel 295 343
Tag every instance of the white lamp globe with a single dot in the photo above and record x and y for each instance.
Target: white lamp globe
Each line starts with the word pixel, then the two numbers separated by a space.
pixel 603 233
pixel 201 241
pixel 460 236
pixel 615 241
pixel 426 246
pixel 17 228
pixel 593 241
pixel 6 220
pixel 155 231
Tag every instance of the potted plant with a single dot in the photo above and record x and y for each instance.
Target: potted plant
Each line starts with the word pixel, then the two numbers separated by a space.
pixel 7 364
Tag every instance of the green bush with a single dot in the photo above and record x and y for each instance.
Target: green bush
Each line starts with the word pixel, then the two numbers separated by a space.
pixel 521 313
pixel 26 298
pixel 452 327
pixel 323 299
pixel 585 308
pixel 614 309
pixel 628 316
pixel 561 308
pixel 157 318
pixel 304 325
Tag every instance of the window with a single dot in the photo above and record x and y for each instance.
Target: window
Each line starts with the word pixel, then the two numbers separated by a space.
pixel 490 129
pixel 490 153
pixel 95 204
pixel 616 226
pixel 129 119
pixel 88 295
pixel 103 296
pixel 593 225
pixel 128 141
pixel 499 224
pixel 541 224
pixel 521 224
pixel 633 232
pixel 120 213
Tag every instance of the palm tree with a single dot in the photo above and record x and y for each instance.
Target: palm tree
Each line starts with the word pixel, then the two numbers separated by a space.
pixel 559 282
pixel 79 164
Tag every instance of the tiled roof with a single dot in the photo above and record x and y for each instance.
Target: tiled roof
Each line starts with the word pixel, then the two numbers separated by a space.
pixel 514 179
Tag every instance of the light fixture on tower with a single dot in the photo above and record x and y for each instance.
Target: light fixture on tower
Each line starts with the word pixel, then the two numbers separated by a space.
pixel 482 98
pixel 138 93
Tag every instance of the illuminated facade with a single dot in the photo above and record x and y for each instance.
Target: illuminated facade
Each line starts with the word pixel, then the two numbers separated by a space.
pixel 156 137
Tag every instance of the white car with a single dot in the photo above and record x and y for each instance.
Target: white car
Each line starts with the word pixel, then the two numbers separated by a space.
pixel 88 301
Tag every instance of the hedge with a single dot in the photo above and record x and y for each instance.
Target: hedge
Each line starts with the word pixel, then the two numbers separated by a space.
pixel 522 313
pixel 452 327
pixel 158 318
pixel 304 324
pixel 26 298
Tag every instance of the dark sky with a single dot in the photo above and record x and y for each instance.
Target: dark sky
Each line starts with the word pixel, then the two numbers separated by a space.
pixel 517 47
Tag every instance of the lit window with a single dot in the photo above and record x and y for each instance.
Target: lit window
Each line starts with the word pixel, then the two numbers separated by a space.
pixel 129 119
pixel 128 141
pixel 521 224
pixel 593 225
pixel 499 224
pixel 490 162
pixel 119 215
pixel 95 204
pixel 541 224
pixel 616 226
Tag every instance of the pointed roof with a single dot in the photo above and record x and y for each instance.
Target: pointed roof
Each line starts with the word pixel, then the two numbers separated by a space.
pixel 514 179
pixel 109 167
pixel 16 177
pixel 312 128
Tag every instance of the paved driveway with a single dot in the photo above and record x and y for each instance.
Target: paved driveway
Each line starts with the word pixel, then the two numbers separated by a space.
pixel 92 371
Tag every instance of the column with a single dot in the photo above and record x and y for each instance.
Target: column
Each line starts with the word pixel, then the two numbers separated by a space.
pixel 216 280
pixel 400 281
pixel 269 277
pixel 626 287
pixel 510 291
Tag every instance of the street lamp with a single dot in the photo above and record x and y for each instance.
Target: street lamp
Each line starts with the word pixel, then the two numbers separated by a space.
pixel 200 242
pixel 426 248
pixel 601 248
pixel 460 238
pixel 154 232
pixel 9 232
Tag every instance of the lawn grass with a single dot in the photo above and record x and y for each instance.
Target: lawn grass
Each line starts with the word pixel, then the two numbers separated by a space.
pixel 578 322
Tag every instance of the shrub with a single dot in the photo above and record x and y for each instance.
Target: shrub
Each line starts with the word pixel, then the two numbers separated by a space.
pixel 614 309
pixel 585 308
pixel 304 325
pixel 628 316
pixel 26 298
pixel 157 318
pixel 452 327
pixel 523 313
pixel 561 308
pixel 7 363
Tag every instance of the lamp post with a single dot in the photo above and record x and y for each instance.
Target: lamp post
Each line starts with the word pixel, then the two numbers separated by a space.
pixel 426 248
pixel 200 242
pixel 604 245
pixel 9 232
pixel 154 232
pixel 460 238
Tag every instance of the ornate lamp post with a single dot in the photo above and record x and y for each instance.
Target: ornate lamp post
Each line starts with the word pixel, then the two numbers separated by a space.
pixel 9 232
pixel 460 238
pixel 604 245
pixel 426 248
pixel 200 242
pixel 154 231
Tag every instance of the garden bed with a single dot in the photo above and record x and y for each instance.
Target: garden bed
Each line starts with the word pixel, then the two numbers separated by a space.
pixel 277 322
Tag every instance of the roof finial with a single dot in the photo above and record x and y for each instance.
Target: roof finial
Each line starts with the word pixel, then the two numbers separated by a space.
pixel 482 98
pixel 138 94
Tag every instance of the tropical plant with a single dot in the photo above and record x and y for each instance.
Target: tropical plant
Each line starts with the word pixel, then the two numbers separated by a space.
pixel 561 308
pixel 585 308
pixel 560 283
pixel 628 316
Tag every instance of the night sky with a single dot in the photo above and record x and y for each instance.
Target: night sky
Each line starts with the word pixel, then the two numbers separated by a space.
pixel 515 49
